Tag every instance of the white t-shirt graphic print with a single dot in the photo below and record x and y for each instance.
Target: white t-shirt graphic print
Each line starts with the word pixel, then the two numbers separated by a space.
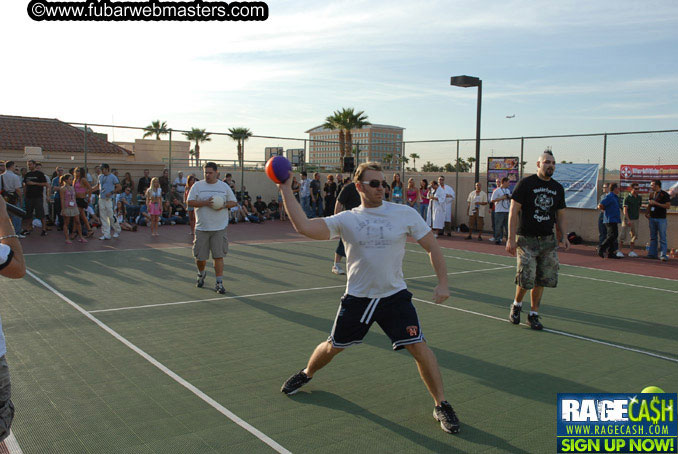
pixel 374 239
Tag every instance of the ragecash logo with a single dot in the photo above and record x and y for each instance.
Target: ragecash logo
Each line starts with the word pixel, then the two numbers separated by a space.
pixel 618 423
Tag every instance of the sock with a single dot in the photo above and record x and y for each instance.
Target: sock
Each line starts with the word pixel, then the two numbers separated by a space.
pixel 202 273
pixel 516 303
pixel 534 313
pixel 219 279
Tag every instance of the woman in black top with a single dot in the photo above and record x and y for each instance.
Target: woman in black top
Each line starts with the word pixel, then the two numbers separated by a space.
pixel 330 190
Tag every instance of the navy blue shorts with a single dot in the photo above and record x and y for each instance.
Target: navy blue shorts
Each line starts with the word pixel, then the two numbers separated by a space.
pixel 340 251
pixel 395 314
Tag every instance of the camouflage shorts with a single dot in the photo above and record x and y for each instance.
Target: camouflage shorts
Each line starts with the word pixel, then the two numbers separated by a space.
pixel 537 261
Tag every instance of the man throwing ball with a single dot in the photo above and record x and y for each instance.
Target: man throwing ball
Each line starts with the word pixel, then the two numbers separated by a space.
pixel 538 202
pixel 211 221
pixel 374 235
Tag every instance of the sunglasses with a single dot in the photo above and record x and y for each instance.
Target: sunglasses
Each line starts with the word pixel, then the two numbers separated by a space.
pixel 374 183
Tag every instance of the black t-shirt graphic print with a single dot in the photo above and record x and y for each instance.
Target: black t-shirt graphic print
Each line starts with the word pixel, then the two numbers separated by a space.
pixel 540 200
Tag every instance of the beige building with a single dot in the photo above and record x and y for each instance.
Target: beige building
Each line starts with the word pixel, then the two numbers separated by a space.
pixel 374 143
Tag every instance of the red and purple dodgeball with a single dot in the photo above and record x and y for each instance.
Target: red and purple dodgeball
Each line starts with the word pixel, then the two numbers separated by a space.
pixel 278 169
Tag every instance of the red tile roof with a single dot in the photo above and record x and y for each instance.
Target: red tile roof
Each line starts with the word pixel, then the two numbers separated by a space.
pixel 51 135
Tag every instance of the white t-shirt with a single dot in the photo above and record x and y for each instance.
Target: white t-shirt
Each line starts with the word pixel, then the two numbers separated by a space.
pixel 502 206
pixel 476 198
pixel 374 239
pixel 180 183
pixel 11 181
pixel 208 219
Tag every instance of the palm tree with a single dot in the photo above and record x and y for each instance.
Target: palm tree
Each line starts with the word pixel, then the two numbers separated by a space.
pixel 334 123
pixel 352 120
pixel 197 135
pixel 344 121
pixel 471 160
pixel 156 128
pixel 387 159
pixel 414 157
pixel 240 135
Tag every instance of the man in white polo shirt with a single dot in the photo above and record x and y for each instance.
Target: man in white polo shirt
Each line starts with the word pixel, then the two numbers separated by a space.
pixel 374 235
pixel 210 223
pixel 502 205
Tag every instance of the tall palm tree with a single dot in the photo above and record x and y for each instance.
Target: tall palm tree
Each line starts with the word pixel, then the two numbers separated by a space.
pixel 352 120
pixel 240 135
pixel 334 123
pixel 344 121
pixel 414 157
pixel 388 159
pixel 471 160
pixel 197 135
pixel 156 128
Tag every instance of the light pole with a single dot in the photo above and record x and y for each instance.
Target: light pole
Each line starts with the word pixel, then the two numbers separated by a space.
pixel 470 81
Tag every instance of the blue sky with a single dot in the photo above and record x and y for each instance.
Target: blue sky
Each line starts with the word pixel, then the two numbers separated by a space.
pixel 561 67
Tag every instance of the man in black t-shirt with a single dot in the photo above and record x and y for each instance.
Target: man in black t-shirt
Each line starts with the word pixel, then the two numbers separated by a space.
pixel 347 200
pixel 537 203
pixel 34 183
pixel 659 202
pixel 316 199
pixel 261 208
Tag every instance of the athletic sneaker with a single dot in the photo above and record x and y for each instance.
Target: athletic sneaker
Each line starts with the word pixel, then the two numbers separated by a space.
pixel 116 235
pixel 219 288
pixel 620 254
pixel 663 258
pixel 633 254
pixel 492 239
pixel 296 381
pixel 336 269
pixel 201 280
pixel 533 321
pixel 514 316
pixel 600 252
pixel 447 417
pixel 104 237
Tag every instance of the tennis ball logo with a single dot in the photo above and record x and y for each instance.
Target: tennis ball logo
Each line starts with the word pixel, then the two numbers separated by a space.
pixel 652 389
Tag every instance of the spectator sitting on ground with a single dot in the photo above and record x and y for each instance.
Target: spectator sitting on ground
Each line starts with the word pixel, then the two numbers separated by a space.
pixel 262 209
pixel 252 214
pixel 274 209
pixel 179 210
pixel 144 218
pixel 168 217
pixel 126 198
pixel 121 217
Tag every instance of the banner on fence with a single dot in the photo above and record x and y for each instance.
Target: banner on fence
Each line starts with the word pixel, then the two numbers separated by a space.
pixel 644 174
pixel 579 182
pixel 498 168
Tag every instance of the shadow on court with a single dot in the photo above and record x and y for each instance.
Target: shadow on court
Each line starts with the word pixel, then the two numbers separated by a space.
pixel 468 433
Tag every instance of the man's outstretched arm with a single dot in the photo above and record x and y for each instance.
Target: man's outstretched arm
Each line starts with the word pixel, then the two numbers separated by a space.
pixel 312 228
pixel 430 245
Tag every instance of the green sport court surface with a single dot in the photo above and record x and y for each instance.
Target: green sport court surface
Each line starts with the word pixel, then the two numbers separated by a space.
pixel 118 352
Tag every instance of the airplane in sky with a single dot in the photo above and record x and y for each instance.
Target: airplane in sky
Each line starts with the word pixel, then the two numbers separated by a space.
pixel 511 116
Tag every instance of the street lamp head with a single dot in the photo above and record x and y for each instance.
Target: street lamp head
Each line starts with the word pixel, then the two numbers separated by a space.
pixel 464 81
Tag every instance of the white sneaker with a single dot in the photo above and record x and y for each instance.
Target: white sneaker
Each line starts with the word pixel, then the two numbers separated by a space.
pixel 20 236
pixel 104 237
pixel 633 254
pixel 336 269
pixel 491 239
pixel 116 235
pixel 619 254
pixel 663 258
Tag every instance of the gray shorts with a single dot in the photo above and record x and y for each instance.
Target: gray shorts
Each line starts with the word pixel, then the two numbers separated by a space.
pixel 6 405
pixel 210 241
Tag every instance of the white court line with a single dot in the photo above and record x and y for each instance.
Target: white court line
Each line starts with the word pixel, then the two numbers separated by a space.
pixel 281 292
pixel 10 445
pixel 565 264
pixel 564 274
pixel 562 333
pixel 213 403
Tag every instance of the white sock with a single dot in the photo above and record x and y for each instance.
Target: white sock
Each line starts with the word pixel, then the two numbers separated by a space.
pixel 516 303
pixel 534 313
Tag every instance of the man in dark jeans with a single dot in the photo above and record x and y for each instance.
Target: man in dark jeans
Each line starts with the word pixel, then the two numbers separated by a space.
pixel 316 198
pixel 34 182
pixel 611 218
pixel 602 231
